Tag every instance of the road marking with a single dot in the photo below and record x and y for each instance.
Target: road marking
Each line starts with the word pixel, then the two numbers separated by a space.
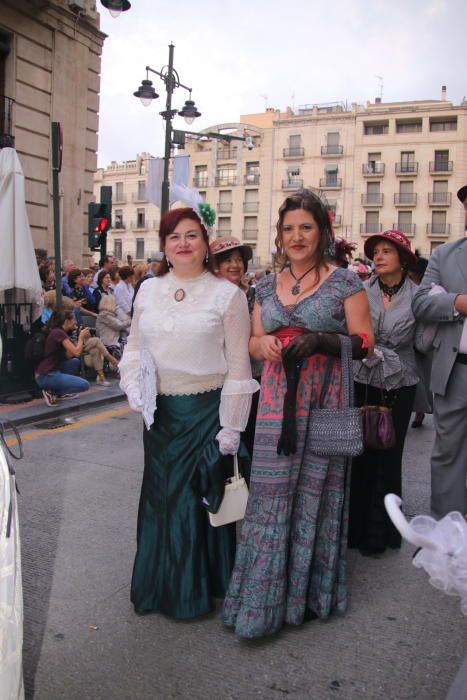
pixel 35 434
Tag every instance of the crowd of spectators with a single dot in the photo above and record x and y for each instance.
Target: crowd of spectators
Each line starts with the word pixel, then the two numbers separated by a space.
pixel 97 298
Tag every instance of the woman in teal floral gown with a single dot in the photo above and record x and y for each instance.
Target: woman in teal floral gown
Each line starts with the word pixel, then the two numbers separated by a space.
pixel 291 558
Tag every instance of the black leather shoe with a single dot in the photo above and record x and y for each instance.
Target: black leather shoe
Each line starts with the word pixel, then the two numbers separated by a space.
pixel 310 615
pixel 417 422
pixel 142 611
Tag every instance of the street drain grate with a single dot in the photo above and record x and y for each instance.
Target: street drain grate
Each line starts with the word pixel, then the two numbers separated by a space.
pixel 56 423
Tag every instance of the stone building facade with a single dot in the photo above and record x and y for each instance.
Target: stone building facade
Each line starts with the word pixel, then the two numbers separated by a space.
pixel 135 220
pixel 49 71
pixel 382 165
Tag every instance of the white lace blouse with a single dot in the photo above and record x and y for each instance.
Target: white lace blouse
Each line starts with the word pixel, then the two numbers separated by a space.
pixel 190 346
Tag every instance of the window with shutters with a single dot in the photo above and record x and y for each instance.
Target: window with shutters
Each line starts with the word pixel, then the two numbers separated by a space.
pixel 119 193
pixel 404 222
pixel 118 248
pixel 141 190
pixel 139 249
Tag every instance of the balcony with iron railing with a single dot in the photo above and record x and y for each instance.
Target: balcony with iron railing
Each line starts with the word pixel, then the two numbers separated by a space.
pixel 297 152
pixel 7 140
pixel 441 229
pixel 439 199
pixel 408 229
pixel 251 179
pixel 373 169
pixel 369 227
pixel 224 207
pixel 224 232
pixel 330 183
pixel 119 198
pixel 290 184
pixel 119 225
pixel 372 199
pixel 226 181
pixel 201 181
pixel 409 168
pixel 250 234
pixel 332 150
pixel 336 220
pixel 251 206
pixel 441 166
pixel 405 199
pixel 139 197
pixel 226 153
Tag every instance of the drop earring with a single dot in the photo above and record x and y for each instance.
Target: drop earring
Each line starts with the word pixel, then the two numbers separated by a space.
pixel 169 264
pixel 207 256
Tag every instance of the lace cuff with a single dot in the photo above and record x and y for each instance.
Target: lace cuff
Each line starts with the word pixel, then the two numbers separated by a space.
pixel 138 371
pixel 233 387
pixel 148 387
pixel 130 369
pixel 234 410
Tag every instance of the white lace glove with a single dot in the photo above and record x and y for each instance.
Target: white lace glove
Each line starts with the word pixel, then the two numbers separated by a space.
pixel 375 359
pixel 134 399
pixel 229 441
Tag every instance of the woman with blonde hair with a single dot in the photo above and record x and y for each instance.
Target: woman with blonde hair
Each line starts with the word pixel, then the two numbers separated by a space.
pixel 140 269
pixel 110 327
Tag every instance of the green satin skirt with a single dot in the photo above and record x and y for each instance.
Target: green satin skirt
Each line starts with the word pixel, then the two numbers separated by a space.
pixel 182 562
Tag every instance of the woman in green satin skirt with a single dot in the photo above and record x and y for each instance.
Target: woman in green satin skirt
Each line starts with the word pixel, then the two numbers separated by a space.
pixel 186 369
pixel 182 562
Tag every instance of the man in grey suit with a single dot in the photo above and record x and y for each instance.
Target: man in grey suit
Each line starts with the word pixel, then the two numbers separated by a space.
pixel 448 269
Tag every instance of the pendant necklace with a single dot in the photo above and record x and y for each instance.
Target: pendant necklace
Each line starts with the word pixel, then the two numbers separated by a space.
pixel 179 294
pixel 296 288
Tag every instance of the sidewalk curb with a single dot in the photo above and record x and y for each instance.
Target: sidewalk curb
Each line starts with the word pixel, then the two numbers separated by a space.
pixel 37 414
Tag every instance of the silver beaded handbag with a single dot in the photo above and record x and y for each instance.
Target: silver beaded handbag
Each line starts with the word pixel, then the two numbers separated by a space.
pixel 336 432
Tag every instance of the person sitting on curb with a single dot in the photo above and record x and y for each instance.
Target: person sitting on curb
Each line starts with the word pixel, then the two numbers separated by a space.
pixel 56 373
pixel 110 327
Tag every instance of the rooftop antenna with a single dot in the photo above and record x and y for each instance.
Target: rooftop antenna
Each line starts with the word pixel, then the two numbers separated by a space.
pixel 380 79
pixel 293 100
pixel 265 98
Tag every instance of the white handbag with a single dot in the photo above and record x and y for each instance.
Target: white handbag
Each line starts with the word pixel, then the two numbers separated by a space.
pixel 233 504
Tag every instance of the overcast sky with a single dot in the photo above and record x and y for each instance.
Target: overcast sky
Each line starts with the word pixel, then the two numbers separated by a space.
pixel 244 56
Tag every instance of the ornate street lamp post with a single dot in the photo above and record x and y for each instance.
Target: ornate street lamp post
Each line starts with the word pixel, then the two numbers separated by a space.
pixel 147 93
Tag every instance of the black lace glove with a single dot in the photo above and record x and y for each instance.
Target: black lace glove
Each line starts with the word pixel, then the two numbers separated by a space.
pixel 327 343
pixel 287 442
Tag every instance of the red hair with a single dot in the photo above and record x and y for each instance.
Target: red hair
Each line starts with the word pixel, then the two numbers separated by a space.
pixel 169 223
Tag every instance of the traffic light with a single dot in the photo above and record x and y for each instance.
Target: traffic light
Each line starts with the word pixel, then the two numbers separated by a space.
pixel 98 224
pixel 99 220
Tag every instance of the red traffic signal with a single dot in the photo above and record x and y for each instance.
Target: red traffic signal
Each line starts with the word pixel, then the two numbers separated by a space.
pixel 101 225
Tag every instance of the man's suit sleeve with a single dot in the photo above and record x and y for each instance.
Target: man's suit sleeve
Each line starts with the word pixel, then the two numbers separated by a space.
pixel 437 307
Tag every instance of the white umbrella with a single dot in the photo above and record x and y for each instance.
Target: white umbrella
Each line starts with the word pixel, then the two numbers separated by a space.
pixel 18 266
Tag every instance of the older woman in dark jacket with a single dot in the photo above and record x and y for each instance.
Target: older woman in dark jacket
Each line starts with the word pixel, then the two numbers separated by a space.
pixel 390 376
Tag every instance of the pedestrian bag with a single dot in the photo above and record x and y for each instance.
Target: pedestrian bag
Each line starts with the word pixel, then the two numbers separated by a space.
pixel 334 432
pixel 233 505
pixel 34 348
pixel 378 425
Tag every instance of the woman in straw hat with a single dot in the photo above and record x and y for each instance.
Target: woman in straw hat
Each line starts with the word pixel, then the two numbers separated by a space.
pixel 231 259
